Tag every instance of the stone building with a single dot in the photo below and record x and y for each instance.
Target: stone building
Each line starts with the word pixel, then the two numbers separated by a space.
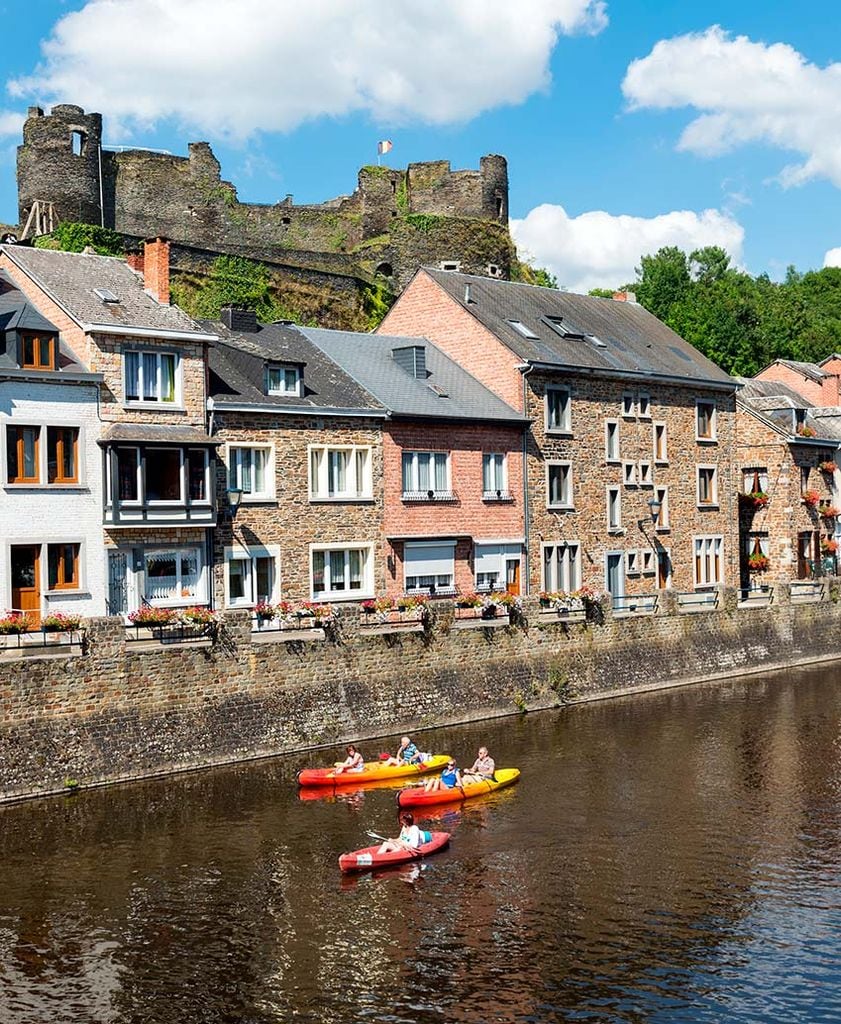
pixel 158 462
pixel 631 449
pixel 787 454
pixel 392 222
pixel 52 557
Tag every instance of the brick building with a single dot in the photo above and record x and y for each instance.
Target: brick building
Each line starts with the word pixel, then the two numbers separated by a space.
pixel 158 460
pixel 815 383
pixel 630 454
pixel 787 454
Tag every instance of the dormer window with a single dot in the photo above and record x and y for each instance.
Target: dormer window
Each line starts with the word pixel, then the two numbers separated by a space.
pixel 283 380
pixel 38 352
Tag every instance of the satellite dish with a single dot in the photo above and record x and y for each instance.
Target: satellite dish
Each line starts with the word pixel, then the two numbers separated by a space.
pixel 9 239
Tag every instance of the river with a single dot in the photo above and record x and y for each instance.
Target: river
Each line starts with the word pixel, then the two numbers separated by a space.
pixel 669 857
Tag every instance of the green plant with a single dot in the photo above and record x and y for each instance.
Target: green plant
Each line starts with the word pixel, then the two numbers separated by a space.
pixel 520 704
pixel 402 197
pixel 72 237
pixel 560 685
pixel 71 783
pixel 148 616
pixel 60 622
pixel 376 302
pixel 15 623
pixel 425 222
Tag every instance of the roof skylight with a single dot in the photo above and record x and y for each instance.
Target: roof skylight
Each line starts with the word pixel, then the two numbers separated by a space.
pixel 521 328
pixel 106 295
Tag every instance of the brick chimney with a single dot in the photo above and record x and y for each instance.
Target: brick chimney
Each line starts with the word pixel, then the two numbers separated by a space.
pixel 156 269
pixel 624 296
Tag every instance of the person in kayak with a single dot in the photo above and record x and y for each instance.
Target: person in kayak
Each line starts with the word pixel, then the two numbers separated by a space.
pixel 354 762
pixel 482 769
pixel 448 778
pixel 410 837
pixel 407 753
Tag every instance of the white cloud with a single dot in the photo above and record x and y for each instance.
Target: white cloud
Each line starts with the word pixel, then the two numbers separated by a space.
pixel 832 257
pixel 745 92
pixel 601 250
pixel 235 68
pixel 10 123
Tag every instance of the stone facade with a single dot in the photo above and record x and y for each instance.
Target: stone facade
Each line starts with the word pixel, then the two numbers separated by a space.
pixel 787 530
pixel 131 710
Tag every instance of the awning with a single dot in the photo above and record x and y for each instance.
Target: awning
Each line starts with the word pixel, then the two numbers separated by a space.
pixel 156 433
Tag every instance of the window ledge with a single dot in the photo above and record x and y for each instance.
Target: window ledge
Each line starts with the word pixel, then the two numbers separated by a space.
pixel 661 462
pixel 47 487
pixel 157 407
pixel 368 500
pixel 613 462
pixel 616 530
pixel 558 432
pixel 560 508
pixel 709 507
pixel 663 529
pixel 706 440
pixel 429 496
pixel 267 499
pixel 68 592
pixel 492 497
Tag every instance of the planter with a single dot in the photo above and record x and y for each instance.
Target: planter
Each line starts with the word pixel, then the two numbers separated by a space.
pixel 467 612
pixel 265 623
pixel 302 622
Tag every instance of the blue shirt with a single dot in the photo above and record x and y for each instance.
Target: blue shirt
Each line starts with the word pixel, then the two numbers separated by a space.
pixel 409 752
pixel 449 777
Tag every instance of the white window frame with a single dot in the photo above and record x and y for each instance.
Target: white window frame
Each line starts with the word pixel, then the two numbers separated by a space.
pixel 565 427
pixel 283 369
pixel 645 475
pixel 764 542
pixel 233 459
pixel 707 541
pixel 706 504
pixel 662 524
pixel 177 400
pixel 629 473
pixel 660 425
pixel 505 553
pixel 617 526
pixel 644 405
pixel 42 426
pixel 319 489
pixel 329 594
pixel 202 591
pixel 182 472
pixel 416 489
pixel 569 491
pixel 499 474
pixel 250 555
pixel 713 436
pixel 566 566
pixel 629 405
pixel 440 588
pixel 612 459
pixel 632 562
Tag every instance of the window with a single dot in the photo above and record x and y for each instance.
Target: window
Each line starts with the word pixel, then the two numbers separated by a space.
pixel 62 455
pixel 63 566
pixel 755 481
pixel 661 451
pixel 163 474
pixel 521 328
pixel 558 410
pixel 758 544
pixel 559 485
pixel 173 576
pixel 646 474
pixel 128 474
pixel 341 573
pixel 629 405
pixel 644 406
pixel 614 508
pixel 252 576
pixel 151 376
pixel 426 474
pixel 561 567
pixel 804 479
pixel 198 463
pixel 340 474
pixel 611 440
pixel 632 563
pixel 707 485
pixel 708 561
pixel 38 353
pixel 629 474
pixel 662 520
pixel 490 565
pixel 22 456
pixel 705 425
pixel 283 380
pixel 248 471
pixel 494 475
pixel 429 568
pixel 648 562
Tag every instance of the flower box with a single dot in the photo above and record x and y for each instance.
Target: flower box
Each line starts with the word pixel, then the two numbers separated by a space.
pixel 828 466
pixel 754 500
pixel 758 563
pixel 811 498
pixel 829 512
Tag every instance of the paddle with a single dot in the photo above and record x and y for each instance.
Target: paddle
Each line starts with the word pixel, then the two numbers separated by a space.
pixel 385 839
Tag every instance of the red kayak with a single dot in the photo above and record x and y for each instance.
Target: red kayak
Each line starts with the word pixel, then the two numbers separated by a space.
pixel 367 858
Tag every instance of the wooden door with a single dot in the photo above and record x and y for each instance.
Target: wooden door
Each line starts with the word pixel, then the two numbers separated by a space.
pixel 512 576
pixel 805 563
pixel 664 569
pixel 26 579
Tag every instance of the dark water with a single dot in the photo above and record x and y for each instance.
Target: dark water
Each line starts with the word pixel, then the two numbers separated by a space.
pixel 673 857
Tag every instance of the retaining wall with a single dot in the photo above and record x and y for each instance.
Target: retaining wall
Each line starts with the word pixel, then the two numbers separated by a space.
pixel 125 710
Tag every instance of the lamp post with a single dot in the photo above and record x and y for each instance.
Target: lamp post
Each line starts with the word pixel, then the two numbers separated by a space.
pixel 234 501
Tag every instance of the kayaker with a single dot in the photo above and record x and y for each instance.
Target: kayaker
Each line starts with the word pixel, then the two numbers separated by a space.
pixel 407 753
pixel 448 778
pixel 354 762
pixel 482 768
pixel 410 837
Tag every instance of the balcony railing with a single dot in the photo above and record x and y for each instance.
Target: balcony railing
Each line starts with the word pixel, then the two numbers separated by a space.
pixel 697 600
pixel 636 604
pixel 497 496
pixel 418 496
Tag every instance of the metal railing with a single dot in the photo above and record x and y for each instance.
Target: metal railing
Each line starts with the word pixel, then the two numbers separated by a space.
pixel 170 633
pixel 42 638
pixel 292 624
pixel 429 496
pixel 636 604
pixel 807 590
pixel 756 597
pixel 696 600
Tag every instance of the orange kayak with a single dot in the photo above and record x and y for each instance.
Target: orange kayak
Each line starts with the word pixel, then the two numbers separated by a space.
pixel 367 858
pixel 374 772
pixel 416 796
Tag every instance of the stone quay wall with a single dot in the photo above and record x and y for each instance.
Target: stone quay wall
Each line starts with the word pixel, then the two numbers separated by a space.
pixel 127 710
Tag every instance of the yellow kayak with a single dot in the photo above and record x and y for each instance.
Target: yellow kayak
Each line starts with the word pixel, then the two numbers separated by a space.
pixel 375 772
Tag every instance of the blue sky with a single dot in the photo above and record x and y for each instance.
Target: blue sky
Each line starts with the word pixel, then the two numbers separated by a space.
pixel 727 135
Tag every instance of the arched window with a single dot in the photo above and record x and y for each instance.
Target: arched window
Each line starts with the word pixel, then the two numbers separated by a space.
pixel 78 142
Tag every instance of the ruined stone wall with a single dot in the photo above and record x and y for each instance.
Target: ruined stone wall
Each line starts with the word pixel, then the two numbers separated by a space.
pixel 124 711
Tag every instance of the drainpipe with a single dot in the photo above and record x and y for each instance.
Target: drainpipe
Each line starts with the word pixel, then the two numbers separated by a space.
pixel 526 369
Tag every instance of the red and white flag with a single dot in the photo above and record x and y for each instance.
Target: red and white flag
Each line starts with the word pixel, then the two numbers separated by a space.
pixel 384 147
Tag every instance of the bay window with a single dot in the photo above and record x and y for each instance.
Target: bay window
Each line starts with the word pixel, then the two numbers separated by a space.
pixel 341 473
pixel 342 572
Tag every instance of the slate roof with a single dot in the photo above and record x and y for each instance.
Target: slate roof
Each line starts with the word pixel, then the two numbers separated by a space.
pixel 770 394
pixel 810 370
pixel 71 278
pixel 18 314
pixel 369 359
pixel 160 433
pixel 634 341
pixel 776 404
pixel 238 370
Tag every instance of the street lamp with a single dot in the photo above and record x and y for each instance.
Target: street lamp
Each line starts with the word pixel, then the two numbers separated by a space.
pixel 234 500
pixel 654 506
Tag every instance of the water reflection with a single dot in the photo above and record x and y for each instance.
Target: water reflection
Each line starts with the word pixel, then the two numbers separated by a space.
pixel 668 858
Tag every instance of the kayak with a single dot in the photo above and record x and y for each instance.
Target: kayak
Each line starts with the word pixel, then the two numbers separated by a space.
pixel 416 796
pixel 367 858
pixel 374 772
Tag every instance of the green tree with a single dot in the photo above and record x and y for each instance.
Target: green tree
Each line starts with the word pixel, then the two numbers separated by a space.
pixel 663 280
